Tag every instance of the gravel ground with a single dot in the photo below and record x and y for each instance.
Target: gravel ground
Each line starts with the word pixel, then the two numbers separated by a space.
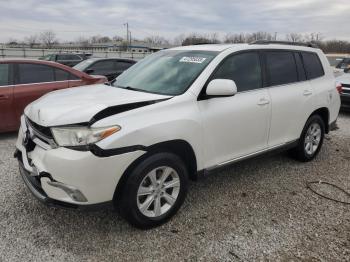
pixel 259 209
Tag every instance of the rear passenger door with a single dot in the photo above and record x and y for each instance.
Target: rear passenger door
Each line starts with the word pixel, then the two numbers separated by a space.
pixel 291 95
pixel 33 81
pixel 7 115
pixel 238 125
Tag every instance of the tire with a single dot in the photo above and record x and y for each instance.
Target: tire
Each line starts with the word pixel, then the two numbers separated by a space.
pixel 303 152
pixel 149 174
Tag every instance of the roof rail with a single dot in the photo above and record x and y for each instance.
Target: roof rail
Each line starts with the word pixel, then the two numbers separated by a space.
pixel 266 42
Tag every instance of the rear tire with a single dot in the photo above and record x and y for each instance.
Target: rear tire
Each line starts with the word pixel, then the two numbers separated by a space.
pixel 154 190
pixel 311 139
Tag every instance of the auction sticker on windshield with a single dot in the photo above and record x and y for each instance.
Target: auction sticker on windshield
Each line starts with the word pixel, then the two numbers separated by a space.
pixel 192 59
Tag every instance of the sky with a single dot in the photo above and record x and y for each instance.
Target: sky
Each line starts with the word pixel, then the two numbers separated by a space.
pixel 168 18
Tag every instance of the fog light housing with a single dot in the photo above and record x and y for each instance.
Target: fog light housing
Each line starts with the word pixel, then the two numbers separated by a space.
pixel 72 192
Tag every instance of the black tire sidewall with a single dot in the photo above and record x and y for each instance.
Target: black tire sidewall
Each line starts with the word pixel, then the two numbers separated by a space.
pixel 313 119
pixel 128 203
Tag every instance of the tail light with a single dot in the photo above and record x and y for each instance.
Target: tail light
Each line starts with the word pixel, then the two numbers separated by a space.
pixel 339 88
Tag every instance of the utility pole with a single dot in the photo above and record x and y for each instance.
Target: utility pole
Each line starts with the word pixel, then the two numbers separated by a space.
pixel 127 36
pixel 275 36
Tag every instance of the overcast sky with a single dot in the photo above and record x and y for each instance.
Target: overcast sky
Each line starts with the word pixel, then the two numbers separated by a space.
pixel 169 18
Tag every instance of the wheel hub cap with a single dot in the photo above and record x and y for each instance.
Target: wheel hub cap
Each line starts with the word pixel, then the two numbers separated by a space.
pixel 312 138
pixel 158 191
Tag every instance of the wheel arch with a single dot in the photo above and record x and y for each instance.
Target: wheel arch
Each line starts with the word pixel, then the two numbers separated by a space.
pixel 323 112
pixel 179 147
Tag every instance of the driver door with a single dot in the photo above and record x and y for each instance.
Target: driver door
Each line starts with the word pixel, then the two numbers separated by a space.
pixel 236 126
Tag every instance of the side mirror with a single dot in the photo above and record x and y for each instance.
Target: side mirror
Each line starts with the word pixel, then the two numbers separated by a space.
pixel 89 71
pixel 221 87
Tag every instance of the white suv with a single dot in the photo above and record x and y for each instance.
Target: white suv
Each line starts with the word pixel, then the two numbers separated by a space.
pixel 175 114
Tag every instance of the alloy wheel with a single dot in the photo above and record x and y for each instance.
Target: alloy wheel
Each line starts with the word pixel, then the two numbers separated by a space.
pixel 312 138
pixel 158 191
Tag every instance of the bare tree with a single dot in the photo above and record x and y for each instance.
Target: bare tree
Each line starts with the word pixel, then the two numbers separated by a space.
pixel 179 39
pixel 48 38
pixel 294 37
pixel 156 40
pixel 83 41
pixel 313 37
pixel 117 38
pixel 235 38
pixel 31 40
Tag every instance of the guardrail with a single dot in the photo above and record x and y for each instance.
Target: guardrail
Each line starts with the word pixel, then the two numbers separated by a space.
pixel 36 53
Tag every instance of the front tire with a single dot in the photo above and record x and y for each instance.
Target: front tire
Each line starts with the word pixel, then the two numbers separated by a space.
pixel 154 190
pixel 311 139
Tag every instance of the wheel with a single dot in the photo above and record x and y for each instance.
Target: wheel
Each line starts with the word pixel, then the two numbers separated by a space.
pixel 311 139
pixel 154 190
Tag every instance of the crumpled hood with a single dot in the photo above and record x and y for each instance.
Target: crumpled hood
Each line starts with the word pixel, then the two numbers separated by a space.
pixel 80 104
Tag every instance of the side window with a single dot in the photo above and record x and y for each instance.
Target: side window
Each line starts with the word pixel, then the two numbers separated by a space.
pixel 33 73
pixel 61 57
pixel 244 69
pixel 300 67
pixel 73 57
pixel 73 77
pixel 312 65
pixel 281 68
pixel 121 66
pixel 4 74
pixel 61 75
pixel 103 66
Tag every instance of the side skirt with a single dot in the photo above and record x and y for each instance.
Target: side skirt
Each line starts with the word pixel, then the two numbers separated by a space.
pixel 265 152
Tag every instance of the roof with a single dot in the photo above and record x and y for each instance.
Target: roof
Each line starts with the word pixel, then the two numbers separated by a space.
pixel 222 47
pixel 209 47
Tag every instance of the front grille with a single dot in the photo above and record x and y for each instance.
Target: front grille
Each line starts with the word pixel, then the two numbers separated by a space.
pixel 42 130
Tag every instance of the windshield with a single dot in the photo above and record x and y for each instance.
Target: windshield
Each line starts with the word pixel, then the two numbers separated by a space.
pixel 83 65
pixel 168 72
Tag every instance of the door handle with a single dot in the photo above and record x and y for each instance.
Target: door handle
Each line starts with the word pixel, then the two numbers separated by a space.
pixel 263 101
pixel 307 93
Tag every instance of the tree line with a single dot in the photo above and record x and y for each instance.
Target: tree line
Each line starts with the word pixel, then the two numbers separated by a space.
pixel 48 39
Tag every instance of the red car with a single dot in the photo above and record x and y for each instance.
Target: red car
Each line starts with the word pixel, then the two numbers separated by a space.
pixel 23 81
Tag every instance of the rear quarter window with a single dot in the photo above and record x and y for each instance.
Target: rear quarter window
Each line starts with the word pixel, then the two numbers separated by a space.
pixel 312 64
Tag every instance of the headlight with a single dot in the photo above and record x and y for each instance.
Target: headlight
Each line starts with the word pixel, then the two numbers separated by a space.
pixel 81 136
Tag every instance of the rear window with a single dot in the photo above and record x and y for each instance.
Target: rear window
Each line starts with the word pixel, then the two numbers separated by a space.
pixel 4 74
pixel 281 68
pixel 32 73
pixel 312 65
